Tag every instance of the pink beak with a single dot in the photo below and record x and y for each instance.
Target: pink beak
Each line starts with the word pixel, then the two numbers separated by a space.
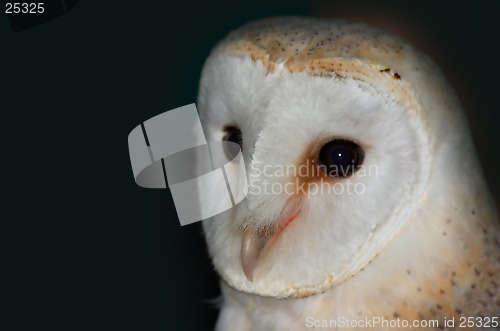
pixel 253 246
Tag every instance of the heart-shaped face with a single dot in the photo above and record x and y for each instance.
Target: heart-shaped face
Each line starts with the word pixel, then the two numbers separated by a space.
pixel 335 148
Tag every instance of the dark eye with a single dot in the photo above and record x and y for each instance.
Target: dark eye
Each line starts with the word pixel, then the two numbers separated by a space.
pixel 340 158
pixel 233 134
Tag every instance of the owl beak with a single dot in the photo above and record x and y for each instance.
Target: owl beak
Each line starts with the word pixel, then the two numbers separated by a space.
pixel 251 249
pixel 254 246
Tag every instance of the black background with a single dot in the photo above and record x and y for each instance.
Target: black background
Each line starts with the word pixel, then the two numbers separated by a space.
pixel 89 249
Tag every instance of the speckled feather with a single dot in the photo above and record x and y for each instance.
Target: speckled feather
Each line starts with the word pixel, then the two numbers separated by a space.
pixel 444 261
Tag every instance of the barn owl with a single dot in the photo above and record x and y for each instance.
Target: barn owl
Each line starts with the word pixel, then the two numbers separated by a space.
pixel 366 201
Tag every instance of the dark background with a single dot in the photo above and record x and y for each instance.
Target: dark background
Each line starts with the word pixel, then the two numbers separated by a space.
pixel 89 249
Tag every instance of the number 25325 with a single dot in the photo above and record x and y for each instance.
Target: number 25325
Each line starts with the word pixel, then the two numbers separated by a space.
pixel 24 8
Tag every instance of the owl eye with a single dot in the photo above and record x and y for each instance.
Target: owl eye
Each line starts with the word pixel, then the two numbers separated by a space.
pixel 232 134
pixel 340 158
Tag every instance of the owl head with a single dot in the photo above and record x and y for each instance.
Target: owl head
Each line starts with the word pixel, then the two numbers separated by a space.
pixel 338 125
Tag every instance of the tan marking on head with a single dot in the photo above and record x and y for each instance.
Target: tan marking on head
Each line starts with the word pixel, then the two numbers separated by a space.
pixel 256 53
pixel 321 48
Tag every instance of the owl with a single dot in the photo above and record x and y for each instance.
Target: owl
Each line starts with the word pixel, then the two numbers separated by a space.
pixel 366 205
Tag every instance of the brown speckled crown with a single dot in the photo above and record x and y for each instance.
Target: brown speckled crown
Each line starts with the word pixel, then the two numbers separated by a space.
pixel 302 40
pixel 325 48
